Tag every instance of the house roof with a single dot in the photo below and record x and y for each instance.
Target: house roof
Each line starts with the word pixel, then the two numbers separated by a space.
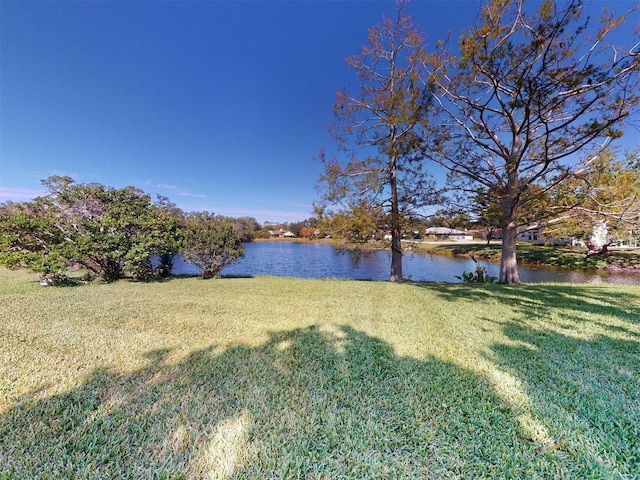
pixel 443 231
pixel 282 232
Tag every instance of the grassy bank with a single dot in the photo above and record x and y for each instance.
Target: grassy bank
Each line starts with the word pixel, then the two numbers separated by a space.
pixel 288 378
pixel 529 254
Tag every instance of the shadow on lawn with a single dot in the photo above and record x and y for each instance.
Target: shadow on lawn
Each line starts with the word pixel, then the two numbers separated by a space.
pixel 530 301
pixel 579 371
pixel 586 392
pixel 309 403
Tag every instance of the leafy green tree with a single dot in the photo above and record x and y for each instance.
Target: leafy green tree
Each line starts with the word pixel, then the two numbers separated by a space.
pixel 163 234
pixel 210 243
pixel 486 212
pixel 261 233
pixel 30 239
pixel 357 225
pixel 377 128
pixel 108 231
pixel 605 197
pixel 296 228
pixel 111 230
pixel 530 91
pixel 245 227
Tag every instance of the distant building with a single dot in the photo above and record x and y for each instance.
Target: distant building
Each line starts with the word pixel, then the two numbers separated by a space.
pixel 446 233
pixel 281 233
pixel 535 234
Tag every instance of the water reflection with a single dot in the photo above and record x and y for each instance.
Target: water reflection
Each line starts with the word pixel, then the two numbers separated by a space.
pixel 288 259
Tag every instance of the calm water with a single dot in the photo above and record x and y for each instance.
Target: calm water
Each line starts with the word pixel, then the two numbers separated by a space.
pixel 288 259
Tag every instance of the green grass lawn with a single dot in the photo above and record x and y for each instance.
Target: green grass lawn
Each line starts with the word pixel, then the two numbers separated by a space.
pixel 288 378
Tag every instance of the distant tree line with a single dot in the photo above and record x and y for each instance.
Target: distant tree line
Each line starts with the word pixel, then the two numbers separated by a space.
pixel 308 228
pixel 607 196
pixel 114 233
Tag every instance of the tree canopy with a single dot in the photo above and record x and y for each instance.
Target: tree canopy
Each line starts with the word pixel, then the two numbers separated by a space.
pixel 210 243
pixel 112 233
pixel 377 125
pixel 605 197
pixel 528 101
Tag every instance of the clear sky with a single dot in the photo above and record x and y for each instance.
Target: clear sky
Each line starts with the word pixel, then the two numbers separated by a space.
pixel 220 106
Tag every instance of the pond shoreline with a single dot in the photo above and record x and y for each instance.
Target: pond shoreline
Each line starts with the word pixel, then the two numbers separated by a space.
pixel 309 259
pixel 626 261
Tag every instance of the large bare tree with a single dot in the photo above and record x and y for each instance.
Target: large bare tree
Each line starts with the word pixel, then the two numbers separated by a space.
pixel 534 93
pixel 376 125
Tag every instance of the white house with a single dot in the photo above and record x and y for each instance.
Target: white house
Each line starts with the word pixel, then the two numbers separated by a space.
pixel 446 233
pixel 281 233
pixel 535 234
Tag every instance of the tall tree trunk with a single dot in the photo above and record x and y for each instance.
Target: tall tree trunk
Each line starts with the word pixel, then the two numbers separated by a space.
pixel 508 260
pixel 111 270
pixel 396 256
pixel 396 228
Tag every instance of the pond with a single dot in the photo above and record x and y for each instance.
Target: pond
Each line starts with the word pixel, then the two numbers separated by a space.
pixel 309 260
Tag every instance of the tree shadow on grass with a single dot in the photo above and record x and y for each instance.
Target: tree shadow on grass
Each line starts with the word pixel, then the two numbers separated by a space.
pixel 575 350
pixel 308 403
pixel 586 394
pixel 561 304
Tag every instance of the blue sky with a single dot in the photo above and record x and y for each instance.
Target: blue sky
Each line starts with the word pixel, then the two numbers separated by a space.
pixel 220 106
